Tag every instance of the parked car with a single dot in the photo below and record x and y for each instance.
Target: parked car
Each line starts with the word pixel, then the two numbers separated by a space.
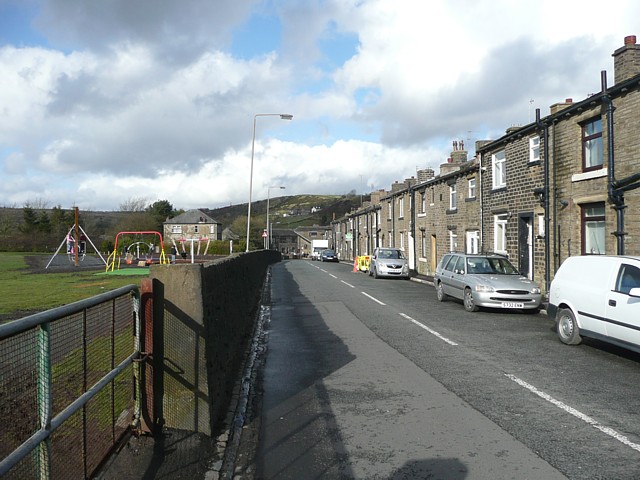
pixel 597 296
pixel 388 262
pixel 487 280
pixel 328 256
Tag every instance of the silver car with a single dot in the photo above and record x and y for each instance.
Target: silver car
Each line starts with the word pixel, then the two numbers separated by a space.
pixel 388 262
pixel 487 280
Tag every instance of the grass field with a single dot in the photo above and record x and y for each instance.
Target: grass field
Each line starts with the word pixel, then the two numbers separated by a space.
pixel 24 290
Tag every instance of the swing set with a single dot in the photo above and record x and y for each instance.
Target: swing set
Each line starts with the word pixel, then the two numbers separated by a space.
pixel 132 254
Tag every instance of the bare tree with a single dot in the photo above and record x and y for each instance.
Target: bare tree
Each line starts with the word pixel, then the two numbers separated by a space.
pixel 134 204
pixel 37 204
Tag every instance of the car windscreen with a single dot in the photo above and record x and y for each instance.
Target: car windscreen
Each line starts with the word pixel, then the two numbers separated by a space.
pixel 480 265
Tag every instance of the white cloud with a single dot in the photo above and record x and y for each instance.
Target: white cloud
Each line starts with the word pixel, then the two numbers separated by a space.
pixel 147 99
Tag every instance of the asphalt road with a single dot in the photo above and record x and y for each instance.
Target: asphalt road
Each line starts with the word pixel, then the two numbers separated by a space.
pixel 369 379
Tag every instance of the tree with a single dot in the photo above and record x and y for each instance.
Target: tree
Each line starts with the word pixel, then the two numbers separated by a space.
pixel 134 204
pixel 160 211
pixel 30 219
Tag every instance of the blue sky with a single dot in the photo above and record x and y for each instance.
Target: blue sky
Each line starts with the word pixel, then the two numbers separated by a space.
pixel 105 102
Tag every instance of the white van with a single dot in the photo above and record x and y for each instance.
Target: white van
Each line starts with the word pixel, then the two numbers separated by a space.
pixel 597 296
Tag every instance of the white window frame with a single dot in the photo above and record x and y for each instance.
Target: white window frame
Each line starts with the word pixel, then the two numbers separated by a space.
pixel 499 170
pixel 401 207
pixel 534 149
pixel 453 241
pixel 389 209
pixel 472 188
pixel 212 229
pixel 473 241
pixel 176 228
pixel 424 202
pixel 500 233
pixel 453 197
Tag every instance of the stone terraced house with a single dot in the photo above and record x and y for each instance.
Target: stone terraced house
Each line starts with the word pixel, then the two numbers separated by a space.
pixel 566 184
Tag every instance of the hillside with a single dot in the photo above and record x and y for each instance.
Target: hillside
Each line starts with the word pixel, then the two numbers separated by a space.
pixel 290 211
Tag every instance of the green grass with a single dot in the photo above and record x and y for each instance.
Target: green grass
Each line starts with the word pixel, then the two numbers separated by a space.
pixel 23 291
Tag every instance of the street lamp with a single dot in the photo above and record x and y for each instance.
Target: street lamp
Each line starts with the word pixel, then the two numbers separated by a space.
pixel 283 116
pixel 268 230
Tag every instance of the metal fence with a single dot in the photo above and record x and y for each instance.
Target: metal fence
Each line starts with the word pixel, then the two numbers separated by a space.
pixel 67 386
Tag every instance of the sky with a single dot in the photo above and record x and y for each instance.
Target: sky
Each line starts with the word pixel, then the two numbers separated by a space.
pixel 106 102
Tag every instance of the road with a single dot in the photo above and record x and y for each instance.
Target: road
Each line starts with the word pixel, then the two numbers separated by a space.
pixel 370 378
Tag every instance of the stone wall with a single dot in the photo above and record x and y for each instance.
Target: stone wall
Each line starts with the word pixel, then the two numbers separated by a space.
pixel 207 313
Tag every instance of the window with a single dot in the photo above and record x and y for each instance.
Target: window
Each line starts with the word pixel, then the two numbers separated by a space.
pixel 500 233
pixel 593 226
pixel 212 229
pixel 592 145
pixel 424 202
pixel 176 228
pixel 423 241
pixel 453 197
pixel 389 211
pixel 473 240
pixel 195 229
pixel 534 149
pixel 541 226
pixel 401 207
pixel 499 171
pixel 628 278
pixel 472 188
pixel 402 240
pixel 453 241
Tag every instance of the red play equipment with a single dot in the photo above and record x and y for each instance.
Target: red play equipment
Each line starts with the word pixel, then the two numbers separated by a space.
pixel 111 261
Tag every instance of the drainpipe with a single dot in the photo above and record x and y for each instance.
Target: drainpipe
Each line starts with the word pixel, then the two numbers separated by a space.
pixel 556 228
pixel 412 228
pixel 480 169
pixel 547 260
pixel 615 196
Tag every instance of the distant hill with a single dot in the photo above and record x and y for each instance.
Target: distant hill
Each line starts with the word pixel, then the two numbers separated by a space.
pixel 290 211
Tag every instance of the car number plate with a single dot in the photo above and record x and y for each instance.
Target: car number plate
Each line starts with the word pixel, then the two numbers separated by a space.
pixel 512 305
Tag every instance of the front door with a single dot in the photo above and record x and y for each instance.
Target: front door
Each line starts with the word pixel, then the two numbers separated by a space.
pixel 525 244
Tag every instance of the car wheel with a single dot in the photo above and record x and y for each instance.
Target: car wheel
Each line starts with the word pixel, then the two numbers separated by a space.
pixel 375 273
pixel 469 304
pixel 440 293
pixel 567 327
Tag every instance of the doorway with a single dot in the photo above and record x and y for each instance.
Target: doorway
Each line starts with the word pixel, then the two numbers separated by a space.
pixel 525 244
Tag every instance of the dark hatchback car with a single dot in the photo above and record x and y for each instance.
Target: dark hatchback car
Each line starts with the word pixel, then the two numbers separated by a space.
pixel 328 256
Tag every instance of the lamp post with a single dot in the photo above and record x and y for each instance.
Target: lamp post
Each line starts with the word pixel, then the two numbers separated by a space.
pixel 283 116
pixel 268 229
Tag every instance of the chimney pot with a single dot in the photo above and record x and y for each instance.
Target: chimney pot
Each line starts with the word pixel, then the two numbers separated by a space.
pixel 630 40
pixel 568 100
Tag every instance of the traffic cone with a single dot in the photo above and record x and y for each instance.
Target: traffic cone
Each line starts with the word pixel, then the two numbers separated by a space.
pixel 355 264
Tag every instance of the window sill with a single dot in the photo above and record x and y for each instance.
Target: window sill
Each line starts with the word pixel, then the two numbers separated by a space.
pixel 470 199
pixel 499 189
pixel 533 163
pixel 451 211
pixel 578 177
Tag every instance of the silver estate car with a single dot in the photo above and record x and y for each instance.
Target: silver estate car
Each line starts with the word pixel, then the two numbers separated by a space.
pixel 388 262
pixel 486 280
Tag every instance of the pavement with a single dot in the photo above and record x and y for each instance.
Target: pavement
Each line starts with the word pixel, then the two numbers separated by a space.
pixel 348 414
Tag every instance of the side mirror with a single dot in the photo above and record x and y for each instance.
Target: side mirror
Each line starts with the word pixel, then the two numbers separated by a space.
pixel 635 292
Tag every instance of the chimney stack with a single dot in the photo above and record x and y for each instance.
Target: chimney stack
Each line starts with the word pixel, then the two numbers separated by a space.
pixel 626 60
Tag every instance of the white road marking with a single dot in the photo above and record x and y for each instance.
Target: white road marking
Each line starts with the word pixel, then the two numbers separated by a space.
pixel 374 299
pixel 585 418
pixel 347 284
pixel 332 275
pixel 432 332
